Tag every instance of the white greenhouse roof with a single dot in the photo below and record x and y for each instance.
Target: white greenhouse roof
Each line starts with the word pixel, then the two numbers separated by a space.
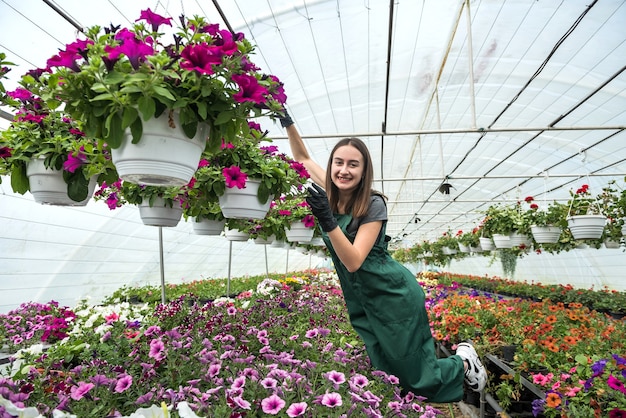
pixel 500 99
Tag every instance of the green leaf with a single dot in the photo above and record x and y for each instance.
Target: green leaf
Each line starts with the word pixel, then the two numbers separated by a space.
pixel 263 194
pixel 136 128
pixel 219 188
pixel 19 181
pixel 103 96
pixel 147 107
pixel 114 77
pixel 113 132
pixel 129 116
pixel 163 92
pixel 77 185
pixel 223 117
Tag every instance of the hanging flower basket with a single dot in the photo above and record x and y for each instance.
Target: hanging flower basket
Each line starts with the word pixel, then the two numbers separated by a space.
pixel 160 213
pixel 208 226
pixel 464 248
pixel 48 187
pixel 277 243
pixel 298 232
pixel 263 241
pixel 448 251
pixel 586 226
pixel 236 235
pixel 546 234
pixel 165 156
pixel 487 244
pixel 243 203
pixel 611 244
pixel 519 240
pixel 502 241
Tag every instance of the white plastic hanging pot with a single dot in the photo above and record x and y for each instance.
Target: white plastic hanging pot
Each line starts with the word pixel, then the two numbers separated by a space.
pixel 48 187
pixel 160 213
pixel 546 234
pixel 298 232
pixel 164 156
pixel 586 226
pixel 243 203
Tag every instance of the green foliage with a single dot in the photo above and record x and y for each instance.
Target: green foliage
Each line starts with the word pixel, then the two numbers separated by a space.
pixel 112 95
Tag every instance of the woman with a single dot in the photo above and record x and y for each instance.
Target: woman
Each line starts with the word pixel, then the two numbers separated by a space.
pixel 384 301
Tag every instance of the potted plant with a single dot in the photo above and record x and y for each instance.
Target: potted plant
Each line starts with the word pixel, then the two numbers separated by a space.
pixel 546 224
pixel 295 216
pixel 46 152
pixel 196 78
pixel 584 217
pixel 612 201
pixel 508 225
pixel 158 206
pixel 246 175
pixel 469 240
pixel 201 204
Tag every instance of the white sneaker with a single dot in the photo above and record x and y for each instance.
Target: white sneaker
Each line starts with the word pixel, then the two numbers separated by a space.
pixel 475 375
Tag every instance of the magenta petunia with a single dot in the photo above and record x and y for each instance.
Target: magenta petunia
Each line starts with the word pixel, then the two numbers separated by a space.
pixel 20 94
pixel 154 19
pixel 234 177
pixel 201 58
pixel 74 162
pixel 249 90
pixel 135 50
pixel 615 383
pixel 309 221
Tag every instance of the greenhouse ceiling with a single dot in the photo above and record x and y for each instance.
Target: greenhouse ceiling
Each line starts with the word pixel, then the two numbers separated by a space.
pixel 499 99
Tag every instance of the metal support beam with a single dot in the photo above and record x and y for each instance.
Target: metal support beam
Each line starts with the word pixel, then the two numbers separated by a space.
pixel 464 131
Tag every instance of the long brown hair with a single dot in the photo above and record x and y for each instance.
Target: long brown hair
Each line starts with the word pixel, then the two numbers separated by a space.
pixel 360 200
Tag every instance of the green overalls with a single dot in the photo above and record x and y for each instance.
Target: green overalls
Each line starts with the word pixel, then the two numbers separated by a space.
pixel 387 309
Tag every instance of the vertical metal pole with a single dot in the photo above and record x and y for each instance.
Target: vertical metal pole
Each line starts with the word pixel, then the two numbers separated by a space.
pixel 161 265
pixel 310 260
pixel 230 261
pixel 287 264
pixel 267 268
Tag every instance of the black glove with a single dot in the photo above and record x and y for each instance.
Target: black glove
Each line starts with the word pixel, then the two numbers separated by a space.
pixel 286 120
pixel 318 200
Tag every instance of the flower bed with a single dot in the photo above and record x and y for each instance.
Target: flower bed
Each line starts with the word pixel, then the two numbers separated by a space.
pixel 272 350
pixel 574 354
pixel 283 346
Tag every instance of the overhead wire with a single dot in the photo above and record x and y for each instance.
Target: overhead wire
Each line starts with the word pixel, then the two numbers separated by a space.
pixel 533 77
pixel 320 65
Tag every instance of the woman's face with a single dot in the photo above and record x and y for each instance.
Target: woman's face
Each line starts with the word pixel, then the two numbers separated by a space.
pixel 347 168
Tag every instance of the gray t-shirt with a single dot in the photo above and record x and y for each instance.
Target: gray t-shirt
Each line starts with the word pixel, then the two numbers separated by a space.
pixel 376 212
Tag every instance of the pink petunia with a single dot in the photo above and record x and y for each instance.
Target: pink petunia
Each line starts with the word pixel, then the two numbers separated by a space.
pixel 78 392
pixel 157 350
pixel 123 383
pixel 272 404
pixel 331 400
pixel 296 409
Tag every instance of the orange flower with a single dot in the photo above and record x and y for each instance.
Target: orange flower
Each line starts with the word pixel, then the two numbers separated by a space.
pixel 551 319
pixel 553 400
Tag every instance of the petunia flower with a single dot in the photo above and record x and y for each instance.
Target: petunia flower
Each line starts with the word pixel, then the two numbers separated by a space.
pixel 234 177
